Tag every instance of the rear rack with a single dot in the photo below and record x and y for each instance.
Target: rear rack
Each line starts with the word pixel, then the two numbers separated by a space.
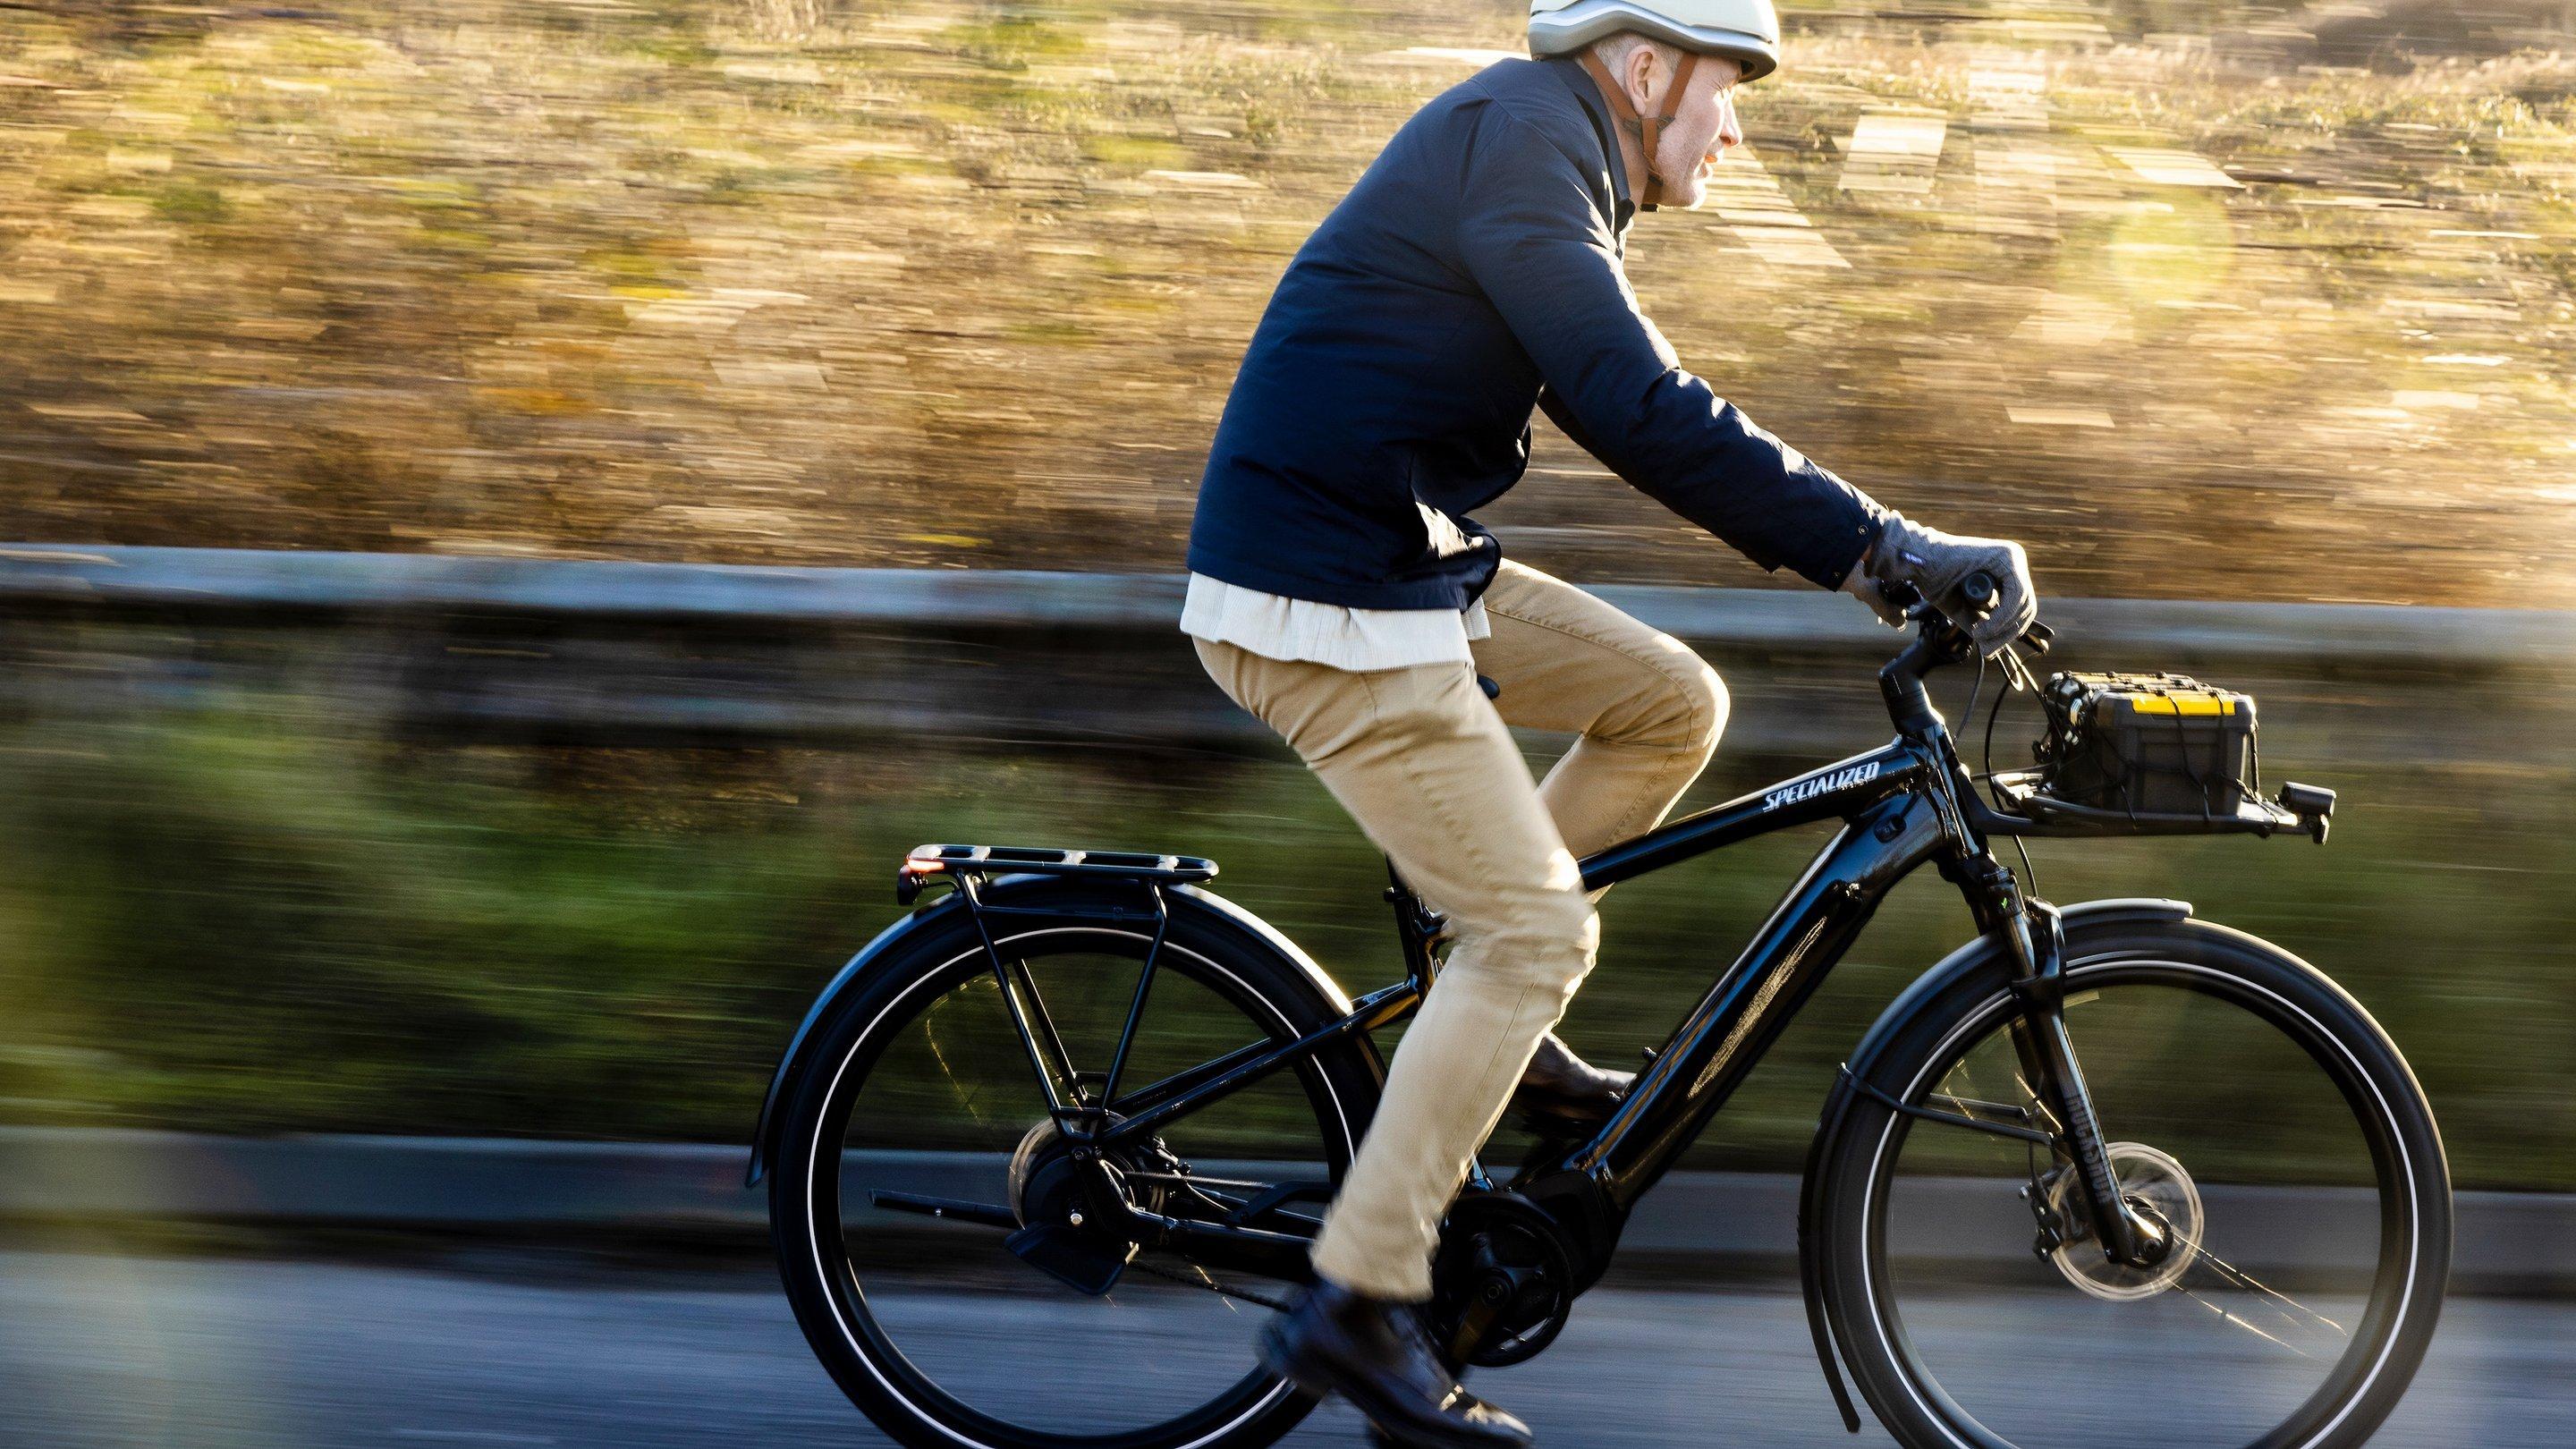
pixel 959 861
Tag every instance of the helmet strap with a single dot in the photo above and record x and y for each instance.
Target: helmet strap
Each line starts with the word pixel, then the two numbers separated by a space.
pixel 1649 129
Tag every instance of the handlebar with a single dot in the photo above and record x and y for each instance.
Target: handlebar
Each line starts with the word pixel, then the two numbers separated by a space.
pixel 1941 640
pixel 1973 600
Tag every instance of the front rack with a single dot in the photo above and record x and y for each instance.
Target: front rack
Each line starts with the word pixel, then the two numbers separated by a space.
pixel 2305 808
pixel 957 861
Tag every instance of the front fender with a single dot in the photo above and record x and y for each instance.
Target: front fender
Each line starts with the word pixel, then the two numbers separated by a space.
pixel 1978 955
pixel 1203 907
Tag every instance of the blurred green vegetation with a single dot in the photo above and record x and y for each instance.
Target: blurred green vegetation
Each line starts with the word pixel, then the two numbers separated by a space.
pixel 270 921
pixel 2199 298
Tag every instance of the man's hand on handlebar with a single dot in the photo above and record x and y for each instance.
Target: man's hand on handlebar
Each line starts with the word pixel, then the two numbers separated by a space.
pixel 1935 565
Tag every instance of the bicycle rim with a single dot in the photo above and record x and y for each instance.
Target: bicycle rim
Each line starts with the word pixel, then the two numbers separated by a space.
pixel 2249 1125
pixel 938 1097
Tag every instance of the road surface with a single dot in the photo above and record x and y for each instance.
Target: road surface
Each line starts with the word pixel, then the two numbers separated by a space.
pixel 112 1351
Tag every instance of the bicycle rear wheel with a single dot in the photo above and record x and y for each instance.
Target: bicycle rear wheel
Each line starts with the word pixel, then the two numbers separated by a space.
pixel 922 1089
pixel 2250 1106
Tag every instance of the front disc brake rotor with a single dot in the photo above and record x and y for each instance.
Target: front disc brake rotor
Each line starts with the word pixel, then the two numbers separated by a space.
pixel 2155 1184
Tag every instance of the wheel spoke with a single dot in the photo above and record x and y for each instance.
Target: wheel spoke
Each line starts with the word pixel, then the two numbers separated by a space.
pixel 969 1098
pixel 2238 1278
pixel 2240 1322
pixel 938 1139
pixel 2241 1133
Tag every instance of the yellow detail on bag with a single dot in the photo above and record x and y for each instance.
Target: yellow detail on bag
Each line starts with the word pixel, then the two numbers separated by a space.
pixel 2177 704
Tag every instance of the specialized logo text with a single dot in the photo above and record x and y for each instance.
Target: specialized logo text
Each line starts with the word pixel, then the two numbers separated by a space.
pixel 1820 784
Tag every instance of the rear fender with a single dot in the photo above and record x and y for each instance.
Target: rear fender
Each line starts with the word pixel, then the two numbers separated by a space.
pixel 1978 955
pixel 893 938
pixel 1204 908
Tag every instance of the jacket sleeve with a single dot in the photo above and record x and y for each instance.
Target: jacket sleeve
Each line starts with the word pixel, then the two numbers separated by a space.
pixel 1552 403
pixel 1534 240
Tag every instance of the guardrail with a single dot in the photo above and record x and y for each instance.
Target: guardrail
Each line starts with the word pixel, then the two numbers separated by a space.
pixel 2508 1243
pixel 626 653
pixel 218 580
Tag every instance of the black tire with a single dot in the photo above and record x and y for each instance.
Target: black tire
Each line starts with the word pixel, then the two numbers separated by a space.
pixel 2404 1262
pixel 815 1249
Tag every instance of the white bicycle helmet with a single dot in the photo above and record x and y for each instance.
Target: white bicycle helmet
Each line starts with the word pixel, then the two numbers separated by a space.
pixel 1744 31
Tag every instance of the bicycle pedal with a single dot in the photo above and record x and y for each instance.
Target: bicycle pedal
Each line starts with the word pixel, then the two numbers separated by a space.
pixel 1068 1257
pixel 1551 1129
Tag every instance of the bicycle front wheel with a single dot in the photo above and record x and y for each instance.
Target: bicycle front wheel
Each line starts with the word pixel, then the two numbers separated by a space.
pixel 918 1141
pixel 2250 1107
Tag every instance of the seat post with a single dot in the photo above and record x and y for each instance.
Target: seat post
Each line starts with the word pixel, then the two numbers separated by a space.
pixel 1416 926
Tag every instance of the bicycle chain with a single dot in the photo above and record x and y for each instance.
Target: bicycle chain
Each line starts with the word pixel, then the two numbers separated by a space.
pixel 1208 1283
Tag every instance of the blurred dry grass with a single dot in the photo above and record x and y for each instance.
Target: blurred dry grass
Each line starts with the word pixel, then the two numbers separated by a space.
pixel 2200 299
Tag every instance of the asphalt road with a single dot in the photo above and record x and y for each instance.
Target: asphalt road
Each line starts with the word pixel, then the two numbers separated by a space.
pixel 100 1349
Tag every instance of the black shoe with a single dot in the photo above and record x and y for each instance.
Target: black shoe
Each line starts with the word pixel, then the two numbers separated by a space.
pixel 1380 1357
pixel 1562 1093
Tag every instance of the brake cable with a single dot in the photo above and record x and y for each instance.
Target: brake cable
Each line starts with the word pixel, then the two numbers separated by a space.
pixel 1995 711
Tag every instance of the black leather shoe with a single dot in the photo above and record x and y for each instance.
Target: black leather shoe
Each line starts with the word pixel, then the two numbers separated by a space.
pixel 1379 1356
pixel 1562 1093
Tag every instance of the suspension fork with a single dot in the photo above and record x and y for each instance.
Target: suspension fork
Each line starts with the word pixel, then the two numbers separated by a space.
pixel 2038 940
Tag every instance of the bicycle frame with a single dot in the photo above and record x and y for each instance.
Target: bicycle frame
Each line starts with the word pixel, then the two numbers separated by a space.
pixel 1909 802
pixel 1895 825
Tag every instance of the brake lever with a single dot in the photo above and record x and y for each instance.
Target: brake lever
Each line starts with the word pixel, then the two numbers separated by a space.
pixel 2017 673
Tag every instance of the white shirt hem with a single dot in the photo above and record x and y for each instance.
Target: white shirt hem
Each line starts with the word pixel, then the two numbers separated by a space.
pixel 1342 637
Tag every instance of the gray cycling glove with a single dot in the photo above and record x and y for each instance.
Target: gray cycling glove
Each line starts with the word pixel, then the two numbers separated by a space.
pixel 1934 563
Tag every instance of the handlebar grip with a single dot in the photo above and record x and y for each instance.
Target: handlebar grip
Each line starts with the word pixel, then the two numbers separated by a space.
pixel 1977 593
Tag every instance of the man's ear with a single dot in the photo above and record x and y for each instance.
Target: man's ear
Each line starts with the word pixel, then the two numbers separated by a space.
pixel 1637 73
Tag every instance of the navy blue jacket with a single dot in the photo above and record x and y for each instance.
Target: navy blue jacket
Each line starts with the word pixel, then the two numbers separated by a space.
pixel 1473 273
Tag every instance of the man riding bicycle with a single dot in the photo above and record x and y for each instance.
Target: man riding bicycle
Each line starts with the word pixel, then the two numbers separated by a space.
pixel 1340 593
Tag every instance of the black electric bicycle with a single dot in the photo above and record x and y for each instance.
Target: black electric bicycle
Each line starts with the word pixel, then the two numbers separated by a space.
pixel 2106 1174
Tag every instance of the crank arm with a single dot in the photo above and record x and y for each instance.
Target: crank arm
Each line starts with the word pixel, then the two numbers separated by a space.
pixel 988 1215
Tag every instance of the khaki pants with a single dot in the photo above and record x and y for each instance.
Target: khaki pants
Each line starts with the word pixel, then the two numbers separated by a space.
pixel 1423 762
